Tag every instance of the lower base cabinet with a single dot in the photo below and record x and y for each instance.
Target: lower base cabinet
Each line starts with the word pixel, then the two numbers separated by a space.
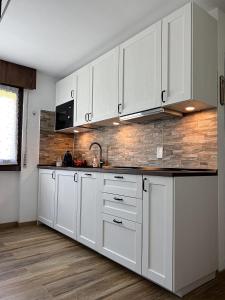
pixel 169 235
pixel 46 197
pixel 157 256
pixel 179 231
pixel 88 196
pixel 121 241
pixel 66 203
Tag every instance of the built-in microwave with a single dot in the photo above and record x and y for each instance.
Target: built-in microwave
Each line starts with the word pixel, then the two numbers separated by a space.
pixel 64 115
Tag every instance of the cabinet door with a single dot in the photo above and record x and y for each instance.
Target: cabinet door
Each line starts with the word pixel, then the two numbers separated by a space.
pixel 176 56
pixel 121 241
pixel 158 230
pixel 66 203
pixel 84 105
pixel 105 77
pixel 46 194
pixel 88 195
pixel 66 89
pixel 140 71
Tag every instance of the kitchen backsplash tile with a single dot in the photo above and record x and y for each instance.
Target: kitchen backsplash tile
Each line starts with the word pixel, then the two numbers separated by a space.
pixel 188 142
pixel 52 144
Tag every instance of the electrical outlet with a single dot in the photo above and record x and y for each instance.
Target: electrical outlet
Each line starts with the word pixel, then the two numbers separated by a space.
pixel 160 152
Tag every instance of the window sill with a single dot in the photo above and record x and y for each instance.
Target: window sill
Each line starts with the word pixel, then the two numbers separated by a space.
pixel 10 168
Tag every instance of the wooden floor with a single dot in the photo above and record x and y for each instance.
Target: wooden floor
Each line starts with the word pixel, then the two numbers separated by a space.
pixel 39 263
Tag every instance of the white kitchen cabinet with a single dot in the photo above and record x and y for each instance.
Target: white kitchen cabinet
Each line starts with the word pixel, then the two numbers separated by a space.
pixel 158 230
pixel 189 58
pixel 140 71
pixel 66 89
pixel 179 231
pixel 122 184
pixel 122 206
pixel 84 101
pixel 66 203
pixel 88 196
pixel 105 76
pixel 46 195
pixel 121 241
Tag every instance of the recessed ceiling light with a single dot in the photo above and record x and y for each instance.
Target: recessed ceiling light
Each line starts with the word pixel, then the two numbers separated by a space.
pixel 116 123
pixel 76 131
pixel 190 108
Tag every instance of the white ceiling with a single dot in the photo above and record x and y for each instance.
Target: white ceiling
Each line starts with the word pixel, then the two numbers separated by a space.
pixel 57 36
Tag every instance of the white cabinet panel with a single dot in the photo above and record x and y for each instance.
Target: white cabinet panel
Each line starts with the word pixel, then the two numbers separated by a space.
pixel 121 241
pixel 122 206
pixel 177 56
pixel 88 195
pixel 140 71
pixel 105 75
pixel 46 194
pixel 158 230
pixel 122 184
pixel 84 103
pixel 66 89
pixel 66 203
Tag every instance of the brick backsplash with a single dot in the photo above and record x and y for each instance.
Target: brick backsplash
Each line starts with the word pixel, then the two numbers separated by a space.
pixel 52 144
pixel 189 142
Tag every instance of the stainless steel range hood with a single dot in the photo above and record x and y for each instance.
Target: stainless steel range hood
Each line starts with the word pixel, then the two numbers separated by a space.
pixel 160 113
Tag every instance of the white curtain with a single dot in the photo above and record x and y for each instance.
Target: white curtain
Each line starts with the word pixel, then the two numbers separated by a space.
pixel 8 125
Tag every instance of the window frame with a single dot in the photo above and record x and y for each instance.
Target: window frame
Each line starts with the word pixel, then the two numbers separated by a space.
pixel 17 167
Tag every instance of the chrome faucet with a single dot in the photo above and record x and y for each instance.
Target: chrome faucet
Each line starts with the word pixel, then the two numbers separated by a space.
pixel 100 150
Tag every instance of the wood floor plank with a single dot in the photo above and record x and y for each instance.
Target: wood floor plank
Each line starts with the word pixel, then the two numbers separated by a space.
pixel 38 263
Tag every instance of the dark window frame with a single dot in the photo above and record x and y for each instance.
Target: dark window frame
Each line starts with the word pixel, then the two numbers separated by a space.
pixel 17 167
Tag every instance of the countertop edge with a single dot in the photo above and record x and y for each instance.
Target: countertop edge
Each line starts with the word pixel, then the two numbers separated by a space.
pixel 164 173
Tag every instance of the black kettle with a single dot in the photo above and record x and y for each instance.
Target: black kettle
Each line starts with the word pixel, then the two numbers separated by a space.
pixel 68 160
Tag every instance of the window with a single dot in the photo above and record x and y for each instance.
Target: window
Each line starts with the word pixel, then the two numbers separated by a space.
pixel 11 103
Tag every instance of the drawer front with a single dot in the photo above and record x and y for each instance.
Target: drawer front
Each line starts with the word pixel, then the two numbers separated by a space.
pixel 121 241
pixel 122 206
pixel 125 185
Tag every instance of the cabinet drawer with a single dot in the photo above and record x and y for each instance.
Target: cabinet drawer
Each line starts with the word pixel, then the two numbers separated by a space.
pixel 122 206
pixel 120 184
pixel 121 241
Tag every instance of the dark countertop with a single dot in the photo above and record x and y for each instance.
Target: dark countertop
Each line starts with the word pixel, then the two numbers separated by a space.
pixel 154 171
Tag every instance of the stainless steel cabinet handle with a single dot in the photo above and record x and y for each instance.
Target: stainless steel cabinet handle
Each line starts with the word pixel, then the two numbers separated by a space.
pixel 88 174
pixel 75 177
pixel 72 94
pixel 53 175
pixel 118 199
pixel 86 117
pixel 117 222
pixel 89 116
pixel 143 184
pixel 118 177
pixel 119 108
pixel 163 95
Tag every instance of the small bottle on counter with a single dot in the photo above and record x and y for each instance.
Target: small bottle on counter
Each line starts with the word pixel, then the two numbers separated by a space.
pixel 95 162
pixel 59 162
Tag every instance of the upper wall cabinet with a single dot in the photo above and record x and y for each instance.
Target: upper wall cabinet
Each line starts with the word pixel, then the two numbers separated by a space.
pixel 140 71
pixel 105 74
pixel 66 89
pixel 189 58
pixel 172 63
pixel 84 103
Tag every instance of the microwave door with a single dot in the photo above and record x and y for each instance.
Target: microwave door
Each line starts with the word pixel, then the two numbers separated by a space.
pixel 64 115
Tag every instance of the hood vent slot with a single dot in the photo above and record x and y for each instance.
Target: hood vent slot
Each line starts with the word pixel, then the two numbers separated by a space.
pixel 160 113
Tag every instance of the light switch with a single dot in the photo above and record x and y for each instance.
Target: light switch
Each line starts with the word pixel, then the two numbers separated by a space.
pixel 160 152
